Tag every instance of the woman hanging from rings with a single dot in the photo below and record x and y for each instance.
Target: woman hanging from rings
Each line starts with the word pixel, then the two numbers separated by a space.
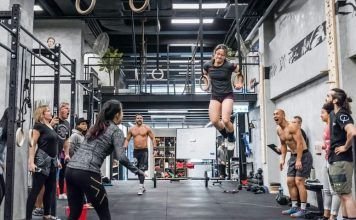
pixel 43 161
pixel 219 72
pixel 83 170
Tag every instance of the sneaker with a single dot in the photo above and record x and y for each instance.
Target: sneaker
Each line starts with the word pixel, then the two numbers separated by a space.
pixel 231 138
pixel 55 218
pixel 88 206
pixel 290 211
pixel 229 145
pixel 37 212
pixel 62 196
pixel 300 214
pixel 141 190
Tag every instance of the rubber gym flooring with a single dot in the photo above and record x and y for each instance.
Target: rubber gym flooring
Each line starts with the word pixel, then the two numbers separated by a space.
pixel 184 200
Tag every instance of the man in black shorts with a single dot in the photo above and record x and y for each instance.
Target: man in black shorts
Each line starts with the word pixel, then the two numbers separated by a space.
pixel 140 132
pixel 299 164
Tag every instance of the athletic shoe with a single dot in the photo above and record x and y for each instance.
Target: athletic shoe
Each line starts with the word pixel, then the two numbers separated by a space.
pixel 300 214
pixel 88 206
pixel 141 190
pixel 55 218
pixel 62 196
pixel 37 212
pixel 290 211
pixel 229 145
pixel 231 138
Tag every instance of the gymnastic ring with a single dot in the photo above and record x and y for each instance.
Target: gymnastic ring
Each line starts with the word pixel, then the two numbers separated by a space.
pixel 20 137
pixel 138 10
pixel 204 86
pixel 85 12
pixel 153 73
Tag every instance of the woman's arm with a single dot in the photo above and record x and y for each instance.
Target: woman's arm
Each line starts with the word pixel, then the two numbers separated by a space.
pixel 31 152
pixel 118 142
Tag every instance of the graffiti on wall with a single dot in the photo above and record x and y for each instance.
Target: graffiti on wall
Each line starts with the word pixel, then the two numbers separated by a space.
pixel 346 7
pixel 312 40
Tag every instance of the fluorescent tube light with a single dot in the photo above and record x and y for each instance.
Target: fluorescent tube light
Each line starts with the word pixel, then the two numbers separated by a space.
pixel 196 6
pixel 167 116
pixel 167 111
pixel 191 21
pixel 182 45
pixel 179 61
pixel 214 5
pixel 37 8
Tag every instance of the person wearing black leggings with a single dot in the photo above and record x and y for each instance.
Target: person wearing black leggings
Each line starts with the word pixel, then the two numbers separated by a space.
pixel 43 161
pixel 83 170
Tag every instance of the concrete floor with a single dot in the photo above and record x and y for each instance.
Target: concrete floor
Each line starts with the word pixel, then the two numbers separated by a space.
pixel 185 200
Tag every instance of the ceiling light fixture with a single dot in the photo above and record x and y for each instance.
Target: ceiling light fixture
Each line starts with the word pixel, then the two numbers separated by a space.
pixel 182 45
pixel 37 8
pixel 196 6
pixel 167 116
pixel 167 111
pixel 191 21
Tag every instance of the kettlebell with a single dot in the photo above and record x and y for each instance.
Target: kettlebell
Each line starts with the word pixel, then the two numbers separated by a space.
pixel 280 198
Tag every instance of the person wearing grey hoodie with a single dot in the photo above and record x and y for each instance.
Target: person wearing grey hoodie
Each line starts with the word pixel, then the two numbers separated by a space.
pixel 78 135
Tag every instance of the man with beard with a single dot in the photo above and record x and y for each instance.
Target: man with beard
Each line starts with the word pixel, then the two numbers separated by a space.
pixel 140 132
pixel 299 164
pixel 342 131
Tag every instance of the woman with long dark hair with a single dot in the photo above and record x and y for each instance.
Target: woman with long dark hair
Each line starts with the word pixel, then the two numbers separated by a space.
pixel 83 170
pixel 219 70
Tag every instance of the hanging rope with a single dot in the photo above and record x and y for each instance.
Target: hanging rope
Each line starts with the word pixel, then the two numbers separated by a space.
pixel 157 71
pixel 134 52
pixel 85 12
pixel 139 10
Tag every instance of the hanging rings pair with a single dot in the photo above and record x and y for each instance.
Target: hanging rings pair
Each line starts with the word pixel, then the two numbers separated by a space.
pixel 93 2
pixel 237 82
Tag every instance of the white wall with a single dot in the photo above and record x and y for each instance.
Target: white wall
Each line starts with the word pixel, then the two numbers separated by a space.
pixel 70 35
pixel 299 38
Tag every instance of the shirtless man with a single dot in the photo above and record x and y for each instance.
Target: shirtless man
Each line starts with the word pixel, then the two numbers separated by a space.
pixel 140 132
pixel 299 164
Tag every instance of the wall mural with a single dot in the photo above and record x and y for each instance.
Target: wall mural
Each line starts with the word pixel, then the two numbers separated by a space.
pixel 312 40
pixel 347 7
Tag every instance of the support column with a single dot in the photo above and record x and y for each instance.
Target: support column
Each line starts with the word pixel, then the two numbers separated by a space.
pixel 21 153
pixel 332 43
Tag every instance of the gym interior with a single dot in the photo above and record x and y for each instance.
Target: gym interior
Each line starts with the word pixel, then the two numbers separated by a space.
pixel 150 55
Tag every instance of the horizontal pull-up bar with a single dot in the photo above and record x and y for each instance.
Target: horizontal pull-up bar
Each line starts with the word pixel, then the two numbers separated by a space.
pixel 82 82
pixel 6 47
pixel 69 71
pixel 34 38
pixel 72 61
pixel 45 76
pixel 40 58
pixel 39 64
pixel 96 99
pixel 7 28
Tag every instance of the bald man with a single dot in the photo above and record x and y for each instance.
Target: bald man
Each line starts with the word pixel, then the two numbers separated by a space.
pixel 299 164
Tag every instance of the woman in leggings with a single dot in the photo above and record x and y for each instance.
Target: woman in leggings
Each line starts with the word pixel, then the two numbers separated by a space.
pixel 331 199
pixel 219 70
pixel 43 161
pixel 83 170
